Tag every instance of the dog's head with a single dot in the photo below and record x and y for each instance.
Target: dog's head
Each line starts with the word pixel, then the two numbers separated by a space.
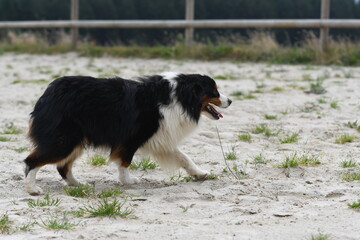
pixel 199 95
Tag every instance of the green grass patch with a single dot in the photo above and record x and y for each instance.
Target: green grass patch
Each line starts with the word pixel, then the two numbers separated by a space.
pixel 259 159
pixel 106 193
pixel 290 138
pixel 5 224
pixel 270 117
pixel 353 125
pixel 85 190
pixel 321 100
pixel 316 86
pixel 231 155
pixel 57 224
pixel 245 137
pixel 264 129
pixel 97 160
pixel 295 160
pixel 225 77
pixel 46 201
pixel 21 149
pixel 355 205
pixel 4 139
pixel 334 104
pixel 104 208
pixel 348 163
pixel 309 160
pixel 39 81
pixel 237 94
pixel 290 161
pixel 345 138
pixel 320 237
pixel 244 96
pixel 144 164
pixel 351 176
pixel 277 89
pixel 10 129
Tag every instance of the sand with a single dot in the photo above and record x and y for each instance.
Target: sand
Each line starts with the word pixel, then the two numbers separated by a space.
pixel 264 202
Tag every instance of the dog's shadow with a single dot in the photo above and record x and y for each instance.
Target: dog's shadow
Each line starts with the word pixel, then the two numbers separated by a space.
pixel 58 187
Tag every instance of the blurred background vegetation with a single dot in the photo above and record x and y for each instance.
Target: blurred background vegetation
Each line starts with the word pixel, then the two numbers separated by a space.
pixel 275 45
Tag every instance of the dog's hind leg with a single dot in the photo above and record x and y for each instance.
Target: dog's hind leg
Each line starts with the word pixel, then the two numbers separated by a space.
pixel 31 169
pixel 122 157
pixel 63 157
pixel 64 167
pixel 189 165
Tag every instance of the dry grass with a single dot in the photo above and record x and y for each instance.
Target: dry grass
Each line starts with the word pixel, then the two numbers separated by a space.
pixel 261 46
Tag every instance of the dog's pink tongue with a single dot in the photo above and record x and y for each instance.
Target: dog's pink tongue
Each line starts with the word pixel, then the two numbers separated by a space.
pixel 214 110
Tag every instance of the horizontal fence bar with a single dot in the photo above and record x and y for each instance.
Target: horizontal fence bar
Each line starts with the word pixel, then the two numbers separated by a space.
pixel 270 23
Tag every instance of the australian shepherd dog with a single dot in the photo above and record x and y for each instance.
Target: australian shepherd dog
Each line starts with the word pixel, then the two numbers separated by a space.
pixel 152 114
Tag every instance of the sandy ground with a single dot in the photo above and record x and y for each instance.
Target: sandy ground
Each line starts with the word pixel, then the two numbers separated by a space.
pixel 267 203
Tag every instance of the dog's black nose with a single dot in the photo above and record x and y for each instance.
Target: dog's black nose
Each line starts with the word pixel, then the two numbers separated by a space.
pixel 229 101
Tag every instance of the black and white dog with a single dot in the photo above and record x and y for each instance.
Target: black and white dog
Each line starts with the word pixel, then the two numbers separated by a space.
pixel 153 114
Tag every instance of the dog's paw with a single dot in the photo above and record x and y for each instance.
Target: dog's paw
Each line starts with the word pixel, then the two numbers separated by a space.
pixel 72 183
pixel 201 175
pixel 34 190
pixel 129 181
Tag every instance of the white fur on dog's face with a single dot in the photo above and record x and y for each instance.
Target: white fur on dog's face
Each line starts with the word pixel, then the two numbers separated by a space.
pixel 222 102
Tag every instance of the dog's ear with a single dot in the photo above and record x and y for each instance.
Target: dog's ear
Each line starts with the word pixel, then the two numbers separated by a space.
pixel 197 89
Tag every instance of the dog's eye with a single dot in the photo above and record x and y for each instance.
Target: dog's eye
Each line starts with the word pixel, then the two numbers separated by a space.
pixel 216 93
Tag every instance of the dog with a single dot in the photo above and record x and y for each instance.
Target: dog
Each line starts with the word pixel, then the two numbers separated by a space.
pixel 151 113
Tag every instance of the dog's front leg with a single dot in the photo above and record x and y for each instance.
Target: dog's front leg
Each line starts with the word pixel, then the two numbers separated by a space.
pixel 123 159
pixel 189 165
pixel 124 176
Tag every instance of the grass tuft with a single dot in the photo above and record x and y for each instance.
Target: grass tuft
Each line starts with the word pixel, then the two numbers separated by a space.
pixel 5 226
pixel 56 224
pixel 231 155
pixel 97 160
pixel 39 81
pixel 355 205
pixel 21 149
pixel 348 163
pixel 237 94
pixel 316 86
pixel 277 89
pixel 245 137
pixel 10 129
pixel 320 237
pixel 47 201
pixel 144 164
pixel 104 208
pixel 259 159
pixel 290 161
pixel 334 104
pixel 354 176
pixel 80 191
pixel 270 117
pixel 106 193
pixel 295 160
pixel 264 129
pixel 345 138
pixel 353 125
pixel 290 139
pixel 4 139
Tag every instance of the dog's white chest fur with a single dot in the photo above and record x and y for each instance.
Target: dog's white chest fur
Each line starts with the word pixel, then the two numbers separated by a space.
pixel 174 127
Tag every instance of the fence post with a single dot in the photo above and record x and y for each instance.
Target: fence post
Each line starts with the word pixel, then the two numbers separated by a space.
pixel 189 15
pixel 74 14
pixel 324 32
